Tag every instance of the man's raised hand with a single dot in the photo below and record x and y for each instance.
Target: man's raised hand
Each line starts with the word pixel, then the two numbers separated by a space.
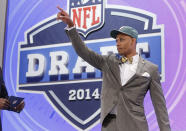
pixel 62 15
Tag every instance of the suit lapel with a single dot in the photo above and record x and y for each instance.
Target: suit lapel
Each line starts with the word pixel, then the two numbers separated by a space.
pixel 140 66
pixel 114 67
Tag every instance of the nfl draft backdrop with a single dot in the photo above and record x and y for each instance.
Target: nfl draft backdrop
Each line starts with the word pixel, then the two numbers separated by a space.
pixel 61 91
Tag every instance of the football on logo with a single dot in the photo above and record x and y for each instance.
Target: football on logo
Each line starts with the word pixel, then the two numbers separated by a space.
pixel 48 63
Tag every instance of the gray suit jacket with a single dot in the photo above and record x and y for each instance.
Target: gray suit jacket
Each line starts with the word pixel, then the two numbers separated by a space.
pixel 130 97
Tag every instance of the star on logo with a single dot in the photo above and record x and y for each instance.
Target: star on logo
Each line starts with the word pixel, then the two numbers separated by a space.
pixel 84 1
pixel 78 3
pixel 72 4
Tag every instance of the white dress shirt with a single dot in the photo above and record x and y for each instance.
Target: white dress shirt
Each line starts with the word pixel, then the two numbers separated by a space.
pixel 127 71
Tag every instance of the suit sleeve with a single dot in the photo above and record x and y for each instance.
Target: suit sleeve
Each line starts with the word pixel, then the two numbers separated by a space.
pixel 3 91
pixel 83 51
pixel 159 102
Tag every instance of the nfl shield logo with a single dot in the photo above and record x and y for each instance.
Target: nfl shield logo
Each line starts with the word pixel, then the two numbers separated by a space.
pixel 87 15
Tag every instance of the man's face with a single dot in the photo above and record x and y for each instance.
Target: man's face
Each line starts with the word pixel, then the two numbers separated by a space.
pixel 125 44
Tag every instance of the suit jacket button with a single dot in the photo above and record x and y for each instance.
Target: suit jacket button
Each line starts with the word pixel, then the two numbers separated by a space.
pixel 121 88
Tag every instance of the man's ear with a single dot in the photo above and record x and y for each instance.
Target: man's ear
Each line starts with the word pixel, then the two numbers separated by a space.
pixel 134 41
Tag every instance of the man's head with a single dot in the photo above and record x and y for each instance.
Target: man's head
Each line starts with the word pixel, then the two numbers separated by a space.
pixel 126 38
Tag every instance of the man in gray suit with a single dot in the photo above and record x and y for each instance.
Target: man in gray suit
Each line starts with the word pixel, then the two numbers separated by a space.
pixel 126 79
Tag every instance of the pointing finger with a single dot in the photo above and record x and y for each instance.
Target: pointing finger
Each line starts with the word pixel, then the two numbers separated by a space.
pixel 64 13
pixel 60 8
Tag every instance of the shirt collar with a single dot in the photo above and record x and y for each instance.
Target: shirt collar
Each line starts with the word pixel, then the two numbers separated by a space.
pixel 135 59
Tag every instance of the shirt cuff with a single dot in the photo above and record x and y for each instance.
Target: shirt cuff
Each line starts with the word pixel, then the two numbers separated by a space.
pixel 68 29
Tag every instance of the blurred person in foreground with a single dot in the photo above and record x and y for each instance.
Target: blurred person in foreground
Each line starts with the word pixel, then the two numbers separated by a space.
pixel 4 99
